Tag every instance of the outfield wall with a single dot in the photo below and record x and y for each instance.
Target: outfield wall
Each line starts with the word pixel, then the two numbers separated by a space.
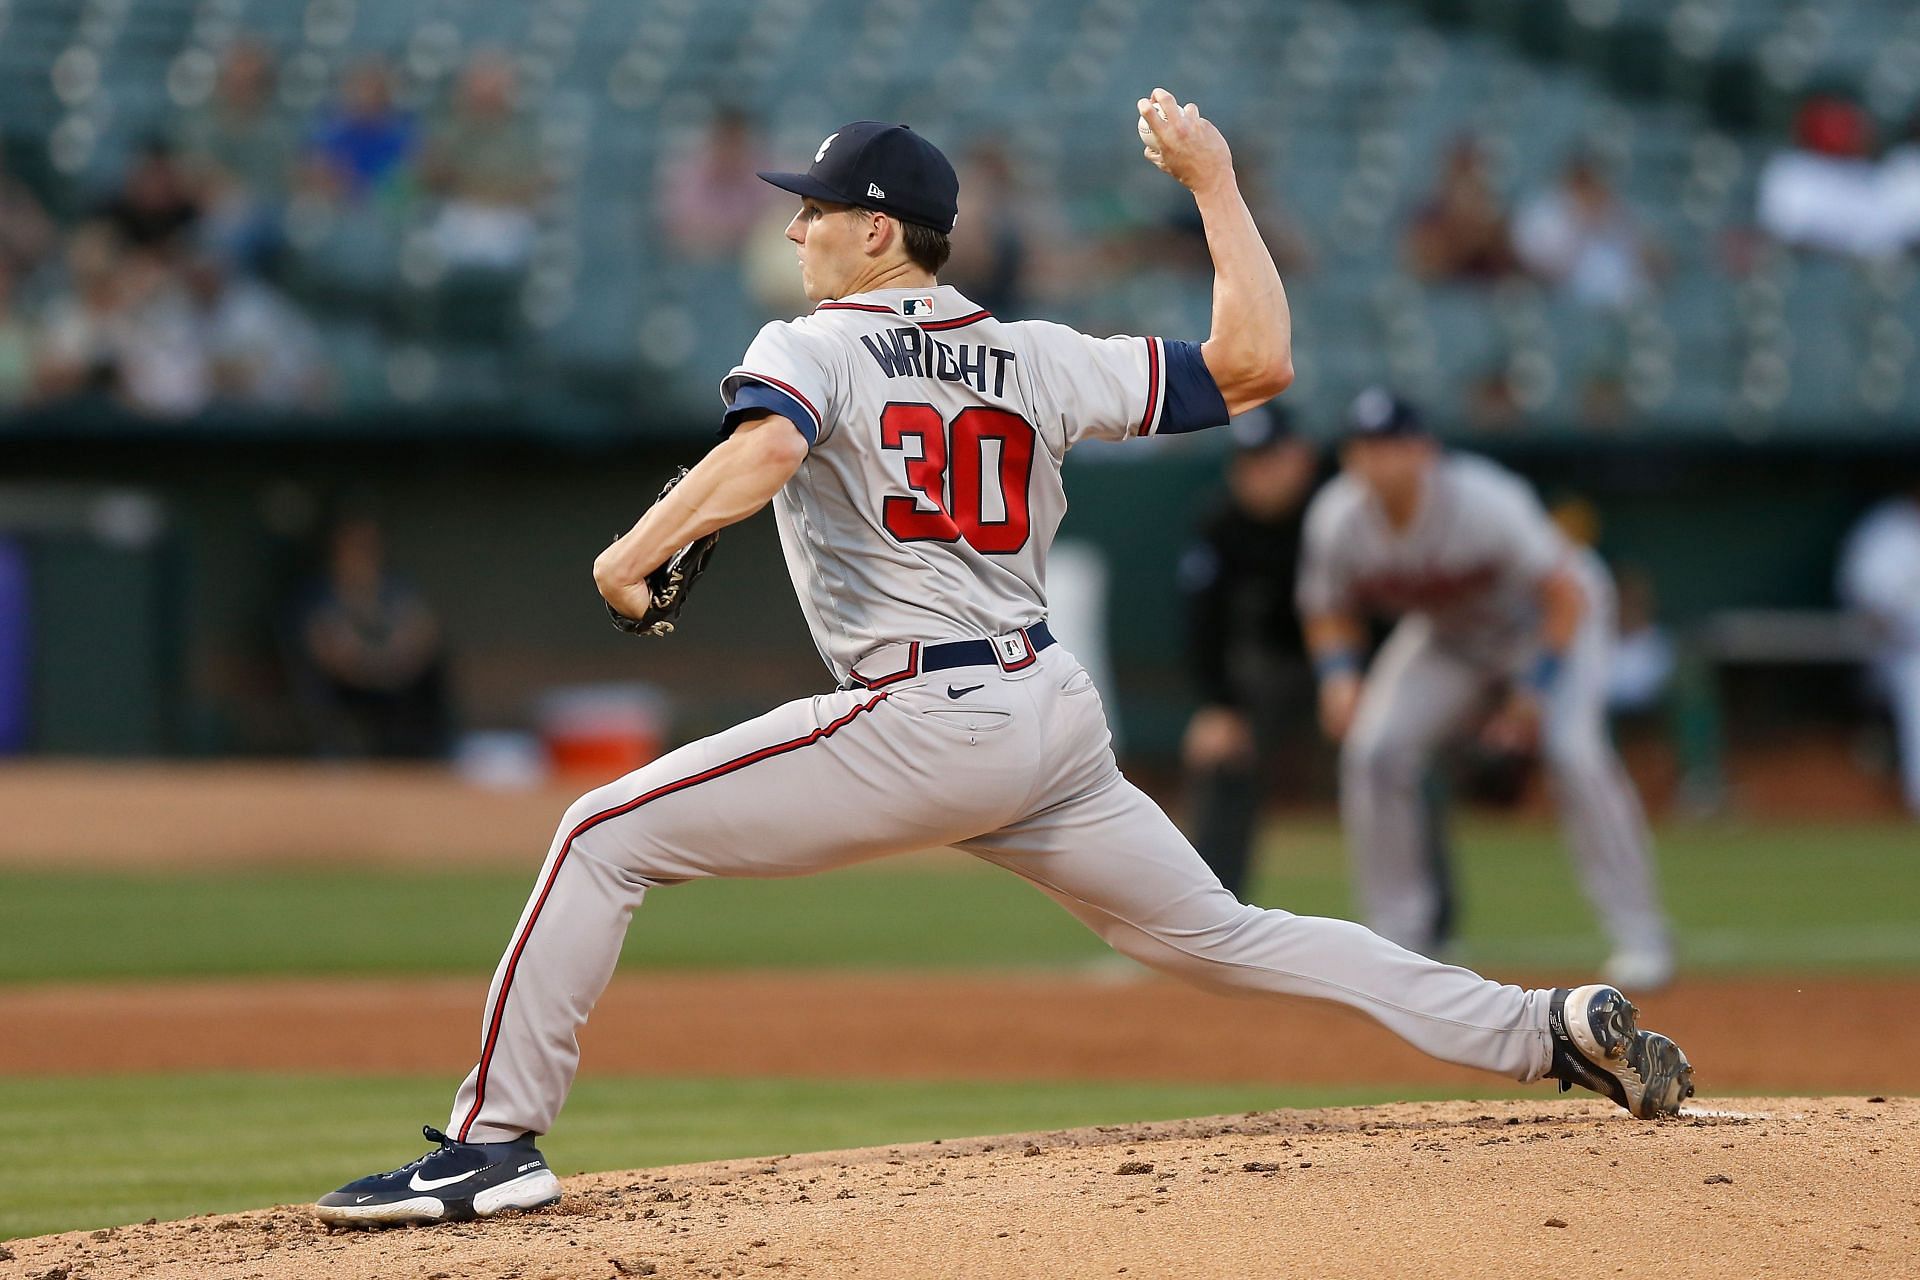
pixel 160 567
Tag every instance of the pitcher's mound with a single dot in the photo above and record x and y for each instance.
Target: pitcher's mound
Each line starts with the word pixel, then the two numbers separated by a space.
pixel 1735 1187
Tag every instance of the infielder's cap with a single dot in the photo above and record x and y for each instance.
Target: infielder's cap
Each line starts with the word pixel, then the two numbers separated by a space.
pixel 880 166
pixel 1261 427
pixel 1378 414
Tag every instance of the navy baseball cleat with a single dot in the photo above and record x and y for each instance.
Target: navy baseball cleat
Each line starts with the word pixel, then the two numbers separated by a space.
pixel 1598 1046
pixel 453 1183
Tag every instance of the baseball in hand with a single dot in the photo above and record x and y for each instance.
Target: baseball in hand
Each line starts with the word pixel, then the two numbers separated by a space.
pixel 1146 132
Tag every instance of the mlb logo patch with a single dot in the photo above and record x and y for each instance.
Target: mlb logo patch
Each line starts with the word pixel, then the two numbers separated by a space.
pixel 1014 651
pixel 917 306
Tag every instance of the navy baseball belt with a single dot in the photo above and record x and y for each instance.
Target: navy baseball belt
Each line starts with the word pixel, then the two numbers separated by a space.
pixel 1010 652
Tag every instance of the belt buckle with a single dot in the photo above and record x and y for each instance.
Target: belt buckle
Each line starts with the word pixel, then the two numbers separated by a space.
pixel 1013 651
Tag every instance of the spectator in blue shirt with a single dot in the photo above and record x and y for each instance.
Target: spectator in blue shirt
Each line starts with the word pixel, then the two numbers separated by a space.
pixel 364 142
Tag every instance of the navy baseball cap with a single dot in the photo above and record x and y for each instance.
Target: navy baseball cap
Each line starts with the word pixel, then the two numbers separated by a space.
pixel 1378 414
pixel 1260 428
pixel 880 166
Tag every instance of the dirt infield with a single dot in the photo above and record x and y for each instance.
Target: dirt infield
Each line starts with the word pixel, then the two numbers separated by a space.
pixel 149 815
pixel 1748 1035
pixel 1759 1186
pixel 242 813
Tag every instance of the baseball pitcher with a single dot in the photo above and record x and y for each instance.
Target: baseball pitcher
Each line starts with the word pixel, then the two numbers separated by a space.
pixel 911 444
pixel 1500 616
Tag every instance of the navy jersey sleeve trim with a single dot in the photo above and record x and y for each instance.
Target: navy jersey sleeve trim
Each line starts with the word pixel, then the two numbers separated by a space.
pixel 756 399
pixel 1194 401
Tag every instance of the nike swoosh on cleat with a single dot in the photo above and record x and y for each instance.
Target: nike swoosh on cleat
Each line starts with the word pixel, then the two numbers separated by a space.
pixel 961 693
pixel 361 1199
pixel 432 1184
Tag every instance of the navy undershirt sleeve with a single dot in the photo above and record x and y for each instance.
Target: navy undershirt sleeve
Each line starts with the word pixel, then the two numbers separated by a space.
pixel 757 399
pixel 1194 401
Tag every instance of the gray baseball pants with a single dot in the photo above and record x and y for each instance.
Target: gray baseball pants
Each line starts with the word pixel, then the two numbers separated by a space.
pixel 1421 692
pixel 1019 772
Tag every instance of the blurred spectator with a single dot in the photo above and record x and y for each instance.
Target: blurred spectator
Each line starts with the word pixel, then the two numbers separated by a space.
pixel 990 239
pixel 28 237
pixel 710 199
pixel 261 351
pixel 1900 185
pixel 1287 240
pixel 369 662
pixel 1644 657
pixel 1176 239
pixel 157 203
pixel 126 331
pixel 363 144
pixel 1580 238
pixel 483 160
pixel 1826 192
pixel 1880 577
pixel 1460 233
pixel 239 152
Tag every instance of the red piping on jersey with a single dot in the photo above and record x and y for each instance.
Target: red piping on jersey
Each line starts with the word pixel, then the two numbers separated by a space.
pixel 498 1014
pixel 792 391
pixel 940 326
pixel 931 326
pixel 907 672
pixel 1153 386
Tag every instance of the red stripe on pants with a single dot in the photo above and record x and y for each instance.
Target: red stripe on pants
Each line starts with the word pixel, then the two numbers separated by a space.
pixel 498 1013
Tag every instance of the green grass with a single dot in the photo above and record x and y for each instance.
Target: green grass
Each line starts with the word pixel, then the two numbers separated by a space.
pixel 101 1151
pixel 96 1151
pixel 1784 898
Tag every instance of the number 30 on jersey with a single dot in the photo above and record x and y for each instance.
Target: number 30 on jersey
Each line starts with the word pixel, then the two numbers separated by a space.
pixel 947 467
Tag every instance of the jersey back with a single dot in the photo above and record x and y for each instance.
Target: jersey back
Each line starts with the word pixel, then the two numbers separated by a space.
pixel 932 490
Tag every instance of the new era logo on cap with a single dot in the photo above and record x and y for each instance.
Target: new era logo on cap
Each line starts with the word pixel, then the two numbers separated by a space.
pixel 880 166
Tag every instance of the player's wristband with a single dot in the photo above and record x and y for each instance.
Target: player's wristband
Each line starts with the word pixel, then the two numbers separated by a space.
pixel 1546 671
pixel 1340 662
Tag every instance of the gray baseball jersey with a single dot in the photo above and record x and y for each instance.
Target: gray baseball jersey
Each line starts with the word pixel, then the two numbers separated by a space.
pixel 1470 562
pixel 916 531
pixel 932 492
pixel 1464 577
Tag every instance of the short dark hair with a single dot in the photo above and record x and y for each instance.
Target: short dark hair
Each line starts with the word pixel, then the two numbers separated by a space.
pixel 929 249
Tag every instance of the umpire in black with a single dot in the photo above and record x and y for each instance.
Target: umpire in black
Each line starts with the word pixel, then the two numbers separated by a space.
pixel 1244 643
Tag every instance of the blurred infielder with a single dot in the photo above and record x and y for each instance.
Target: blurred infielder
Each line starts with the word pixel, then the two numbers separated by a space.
pixel 912 444
pixel 1499 613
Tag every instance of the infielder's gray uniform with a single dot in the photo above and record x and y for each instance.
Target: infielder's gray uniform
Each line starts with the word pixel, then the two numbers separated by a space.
pixel 1464 577
pixel 1880 576
pixel 922 517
